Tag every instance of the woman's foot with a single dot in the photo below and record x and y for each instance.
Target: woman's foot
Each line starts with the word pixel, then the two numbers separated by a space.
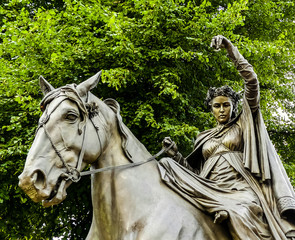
pixel 220 216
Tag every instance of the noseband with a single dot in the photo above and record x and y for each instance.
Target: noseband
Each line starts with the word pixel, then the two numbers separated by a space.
pixel 74 174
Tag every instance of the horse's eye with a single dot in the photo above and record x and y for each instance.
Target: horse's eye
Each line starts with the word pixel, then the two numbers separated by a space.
pixel 71 117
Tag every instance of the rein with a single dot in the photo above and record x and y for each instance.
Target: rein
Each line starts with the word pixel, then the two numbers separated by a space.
pixel 128 165
pixel 73 173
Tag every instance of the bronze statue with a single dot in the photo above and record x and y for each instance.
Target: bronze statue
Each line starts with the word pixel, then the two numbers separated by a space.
pixel 129 202
pixel 233 177
pixel 234 173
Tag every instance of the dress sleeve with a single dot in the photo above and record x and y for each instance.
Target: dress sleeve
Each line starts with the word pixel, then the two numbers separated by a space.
pixel 245 69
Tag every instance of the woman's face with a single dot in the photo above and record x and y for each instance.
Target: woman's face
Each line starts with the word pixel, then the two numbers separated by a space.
pixel 222 108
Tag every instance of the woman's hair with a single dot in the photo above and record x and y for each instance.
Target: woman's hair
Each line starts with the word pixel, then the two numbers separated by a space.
pixel 225 91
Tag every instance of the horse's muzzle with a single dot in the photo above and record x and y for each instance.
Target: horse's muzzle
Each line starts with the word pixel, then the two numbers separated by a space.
pixel 34 185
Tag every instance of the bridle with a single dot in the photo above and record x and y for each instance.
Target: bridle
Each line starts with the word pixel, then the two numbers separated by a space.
pixel 74 173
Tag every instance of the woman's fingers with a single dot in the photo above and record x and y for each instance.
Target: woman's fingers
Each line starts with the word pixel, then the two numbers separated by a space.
pixel 217 42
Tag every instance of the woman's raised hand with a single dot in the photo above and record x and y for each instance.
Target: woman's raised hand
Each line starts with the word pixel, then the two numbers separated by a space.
pixel 219 42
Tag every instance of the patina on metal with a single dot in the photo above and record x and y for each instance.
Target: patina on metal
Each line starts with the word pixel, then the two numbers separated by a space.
pixel 234 172
pixel 232 186
pixel 129 199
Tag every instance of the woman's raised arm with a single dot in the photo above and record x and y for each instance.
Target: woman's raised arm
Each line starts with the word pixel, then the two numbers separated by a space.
pixel 245 69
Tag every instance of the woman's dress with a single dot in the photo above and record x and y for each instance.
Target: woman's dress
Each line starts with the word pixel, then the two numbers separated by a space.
pixel 219 186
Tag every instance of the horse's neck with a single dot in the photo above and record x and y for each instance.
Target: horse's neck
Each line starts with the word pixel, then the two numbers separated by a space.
pixel 117 153
pixel 113 155
pixel 117 135
pixel 117 191
pixel 134 148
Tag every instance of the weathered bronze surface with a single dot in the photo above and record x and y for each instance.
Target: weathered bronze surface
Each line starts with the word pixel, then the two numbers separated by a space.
pixel 234 172
pixel 232 186
pixel 133 203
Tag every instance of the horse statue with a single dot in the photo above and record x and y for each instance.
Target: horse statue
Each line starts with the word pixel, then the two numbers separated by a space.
pixel 132 202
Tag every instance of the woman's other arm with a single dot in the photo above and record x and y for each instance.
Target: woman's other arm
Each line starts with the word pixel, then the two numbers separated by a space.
pixel 172 152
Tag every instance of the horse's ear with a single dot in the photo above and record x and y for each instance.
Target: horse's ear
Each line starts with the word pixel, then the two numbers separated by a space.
pixel 45 86
pixel 89 84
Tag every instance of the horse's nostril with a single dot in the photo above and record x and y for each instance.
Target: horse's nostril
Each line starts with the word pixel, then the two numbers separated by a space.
pixel 38 179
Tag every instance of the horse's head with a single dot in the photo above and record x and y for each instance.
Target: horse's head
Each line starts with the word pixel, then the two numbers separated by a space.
pixel 55 157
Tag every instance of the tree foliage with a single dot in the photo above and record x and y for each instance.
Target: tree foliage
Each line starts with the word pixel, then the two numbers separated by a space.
pixel 156 63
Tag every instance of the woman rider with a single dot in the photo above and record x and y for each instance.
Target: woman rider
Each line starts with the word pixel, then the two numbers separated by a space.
pixel 234 172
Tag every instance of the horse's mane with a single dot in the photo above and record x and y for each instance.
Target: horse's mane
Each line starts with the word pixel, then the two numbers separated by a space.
pixel 130 144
